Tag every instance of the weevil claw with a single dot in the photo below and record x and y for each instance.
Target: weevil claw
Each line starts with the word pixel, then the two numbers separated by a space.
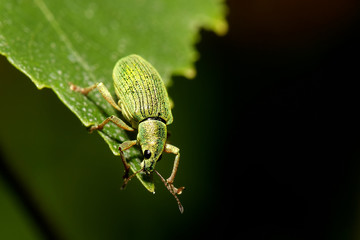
pixel 75 88
pixel 127 178
pixel 173 189
pixel 180 190
pixel 94 127
pixel 126 175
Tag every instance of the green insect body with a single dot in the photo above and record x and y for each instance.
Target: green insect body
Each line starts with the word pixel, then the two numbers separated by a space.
pixel 144 103
pixel 141 91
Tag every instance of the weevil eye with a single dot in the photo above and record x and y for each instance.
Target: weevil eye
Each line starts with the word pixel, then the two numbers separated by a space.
pixel 147 154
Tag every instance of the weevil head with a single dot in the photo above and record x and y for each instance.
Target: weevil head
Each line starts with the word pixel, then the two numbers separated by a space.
pixel 151 137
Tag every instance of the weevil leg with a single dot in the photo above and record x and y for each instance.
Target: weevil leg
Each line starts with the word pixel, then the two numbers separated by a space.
pixel 102 89
pixel 120 123
pixel 172 149
pixel 124 146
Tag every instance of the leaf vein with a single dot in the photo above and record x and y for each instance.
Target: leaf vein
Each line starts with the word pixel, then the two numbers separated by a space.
pixel 51 19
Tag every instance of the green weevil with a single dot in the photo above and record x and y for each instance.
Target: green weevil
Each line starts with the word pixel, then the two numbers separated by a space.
pixel 144 103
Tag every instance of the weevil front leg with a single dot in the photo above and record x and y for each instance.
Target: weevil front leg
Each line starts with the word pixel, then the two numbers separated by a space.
pixel 124 146
pixel 102 89
pixel 172 149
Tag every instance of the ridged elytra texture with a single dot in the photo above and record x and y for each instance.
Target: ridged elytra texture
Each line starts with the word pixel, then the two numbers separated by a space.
pixel 141 91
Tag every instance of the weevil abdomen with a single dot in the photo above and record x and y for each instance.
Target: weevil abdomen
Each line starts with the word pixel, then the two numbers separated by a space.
pixel 141 91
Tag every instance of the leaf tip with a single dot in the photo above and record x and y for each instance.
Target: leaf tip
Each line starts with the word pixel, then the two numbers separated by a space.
pixel 190 73
pixel 221 27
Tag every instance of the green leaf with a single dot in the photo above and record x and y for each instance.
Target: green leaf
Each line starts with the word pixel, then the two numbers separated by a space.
pixel 58 42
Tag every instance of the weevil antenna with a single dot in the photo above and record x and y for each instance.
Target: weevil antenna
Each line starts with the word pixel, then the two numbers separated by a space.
pixel 126 180
pixel 181 208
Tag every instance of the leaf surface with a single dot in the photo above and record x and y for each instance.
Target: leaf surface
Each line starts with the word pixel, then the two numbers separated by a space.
pixel 58 42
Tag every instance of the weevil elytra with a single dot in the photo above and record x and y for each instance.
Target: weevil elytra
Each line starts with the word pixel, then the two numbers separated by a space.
pixel 144 103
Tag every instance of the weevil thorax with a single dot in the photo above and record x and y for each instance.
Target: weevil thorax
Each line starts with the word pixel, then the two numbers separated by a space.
pixel 151 137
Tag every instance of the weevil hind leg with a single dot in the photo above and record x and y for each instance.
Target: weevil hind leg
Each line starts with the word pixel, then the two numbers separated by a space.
pixel 102 89
pixel 172 149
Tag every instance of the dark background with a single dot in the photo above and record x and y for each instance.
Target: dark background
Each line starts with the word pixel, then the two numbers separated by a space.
pixel 268 132
pixel 288 115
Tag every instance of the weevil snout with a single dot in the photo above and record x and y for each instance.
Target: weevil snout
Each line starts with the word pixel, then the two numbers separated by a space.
pixel 148 166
